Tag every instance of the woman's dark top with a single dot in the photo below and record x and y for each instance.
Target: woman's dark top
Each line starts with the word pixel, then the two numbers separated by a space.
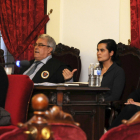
pixel 135 95
pixel 3 86
pixel 114 78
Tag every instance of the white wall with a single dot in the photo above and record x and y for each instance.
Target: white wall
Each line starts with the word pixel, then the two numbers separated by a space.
pixel 53 26
pixel 83 23
pixel 125 33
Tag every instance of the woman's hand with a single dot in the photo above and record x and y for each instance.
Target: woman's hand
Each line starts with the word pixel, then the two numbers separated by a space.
pixel 68 74
pixel 131 101
pixel 136 103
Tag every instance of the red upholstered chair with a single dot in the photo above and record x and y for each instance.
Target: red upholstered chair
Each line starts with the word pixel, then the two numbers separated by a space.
pixel 17 100
pixel 60 132
pixel 61 124
pixel 130 130
pixel 16 134
pixel 67 132
pixel 123 132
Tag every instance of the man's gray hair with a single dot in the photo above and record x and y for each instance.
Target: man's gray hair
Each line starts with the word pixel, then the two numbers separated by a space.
pixel 50 41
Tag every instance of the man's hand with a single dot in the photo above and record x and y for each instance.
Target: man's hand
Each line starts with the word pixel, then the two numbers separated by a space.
pixel 68 74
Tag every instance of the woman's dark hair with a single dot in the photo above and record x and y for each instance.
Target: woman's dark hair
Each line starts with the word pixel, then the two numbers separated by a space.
pixel 111 46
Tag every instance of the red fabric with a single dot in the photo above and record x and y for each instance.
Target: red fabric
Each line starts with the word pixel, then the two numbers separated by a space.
pixel 135 23
pixel 18 95
pixel 67 132
pixel 123 132
pixel 60 132
pixel 4 129
pixel 21 22
pixel 17 99
pixel 16 134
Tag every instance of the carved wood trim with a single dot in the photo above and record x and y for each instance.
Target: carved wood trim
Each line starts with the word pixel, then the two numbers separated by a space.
pixel 127 49
pixel 64 49
pixel 65 53
pixel 134 119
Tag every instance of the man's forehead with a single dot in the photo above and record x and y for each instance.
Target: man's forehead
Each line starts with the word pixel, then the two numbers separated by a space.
pixel 40 40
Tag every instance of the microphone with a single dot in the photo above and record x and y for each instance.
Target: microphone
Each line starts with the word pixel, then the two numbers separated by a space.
pixel 18 63
pixel 22 63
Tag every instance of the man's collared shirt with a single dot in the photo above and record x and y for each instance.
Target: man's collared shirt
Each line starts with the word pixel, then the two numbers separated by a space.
pixel 44 61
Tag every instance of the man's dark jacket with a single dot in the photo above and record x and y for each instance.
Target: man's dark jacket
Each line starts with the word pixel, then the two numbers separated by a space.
pixel 52 70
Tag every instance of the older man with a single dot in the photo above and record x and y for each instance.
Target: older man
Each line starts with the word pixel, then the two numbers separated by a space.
pixel 44 68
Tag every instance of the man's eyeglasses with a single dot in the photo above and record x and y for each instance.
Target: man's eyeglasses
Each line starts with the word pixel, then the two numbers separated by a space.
pixel 40 45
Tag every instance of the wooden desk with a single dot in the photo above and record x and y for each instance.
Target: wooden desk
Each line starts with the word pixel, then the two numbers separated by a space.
pixel 86 104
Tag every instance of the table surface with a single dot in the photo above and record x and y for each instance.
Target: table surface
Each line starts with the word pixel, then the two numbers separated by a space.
pixel 73 88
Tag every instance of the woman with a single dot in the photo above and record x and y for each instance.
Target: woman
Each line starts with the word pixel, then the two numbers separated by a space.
pixel 112 74
pixel 132 106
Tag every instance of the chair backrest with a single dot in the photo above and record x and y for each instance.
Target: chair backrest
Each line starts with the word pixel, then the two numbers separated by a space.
pixel 130 62
pixel 69 56
pixel 18 97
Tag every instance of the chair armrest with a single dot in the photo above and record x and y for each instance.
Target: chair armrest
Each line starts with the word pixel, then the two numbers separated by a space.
pixel 134 119
pixel 117 105
pixel 114 107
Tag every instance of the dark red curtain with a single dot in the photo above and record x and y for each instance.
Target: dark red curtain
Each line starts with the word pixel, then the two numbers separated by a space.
pixel 135 23
pixel 21 22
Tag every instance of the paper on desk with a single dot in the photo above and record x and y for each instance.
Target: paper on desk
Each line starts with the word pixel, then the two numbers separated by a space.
pixel 45 84
pixel 78 82
pixel 54 84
